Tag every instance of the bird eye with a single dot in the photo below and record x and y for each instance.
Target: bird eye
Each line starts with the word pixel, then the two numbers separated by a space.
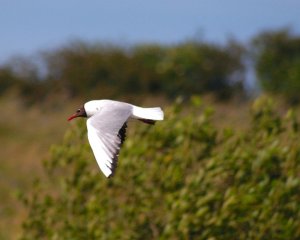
pixel 78 111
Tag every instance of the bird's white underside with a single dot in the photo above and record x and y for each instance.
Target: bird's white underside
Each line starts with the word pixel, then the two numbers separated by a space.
pixel 104 125
pixel 104 155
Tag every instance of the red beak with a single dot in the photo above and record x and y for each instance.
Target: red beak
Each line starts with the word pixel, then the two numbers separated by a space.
pixel 79 113
pixel 73 116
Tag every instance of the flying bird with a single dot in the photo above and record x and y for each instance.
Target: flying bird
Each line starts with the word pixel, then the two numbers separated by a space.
pixel 106 125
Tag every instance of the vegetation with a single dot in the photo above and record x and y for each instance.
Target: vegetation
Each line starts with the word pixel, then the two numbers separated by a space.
pixel 182 179
pixel 88 70
pixel 190 176
pixel 277 59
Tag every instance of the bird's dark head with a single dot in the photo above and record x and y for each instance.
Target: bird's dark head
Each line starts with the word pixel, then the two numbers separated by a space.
pixel 79 113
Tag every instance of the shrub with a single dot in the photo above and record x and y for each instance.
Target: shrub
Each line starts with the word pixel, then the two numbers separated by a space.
pixel 181 179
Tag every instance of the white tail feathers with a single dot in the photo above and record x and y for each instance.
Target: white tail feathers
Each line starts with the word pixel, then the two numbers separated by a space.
pixel 155 113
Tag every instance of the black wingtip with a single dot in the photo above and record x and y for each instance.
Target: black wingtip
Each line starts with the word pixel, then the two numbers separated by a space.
pixel 122 133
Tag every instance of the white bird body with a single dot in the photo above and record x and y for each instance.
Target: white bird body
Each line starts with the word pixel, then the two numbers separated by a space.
pixel 106 126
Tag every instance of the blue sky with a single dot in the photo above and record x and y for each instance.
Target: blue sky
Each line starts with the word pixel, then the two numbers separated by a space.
pixel 32 25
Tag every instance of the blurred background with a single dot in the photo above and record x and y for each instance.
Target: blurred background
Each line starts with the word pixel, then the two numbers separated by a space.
pixel 56 55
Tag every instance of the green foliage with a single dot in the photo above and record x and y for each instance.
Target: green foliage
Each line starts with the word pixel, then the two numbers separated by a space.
pixel 91 70
pixel 7 80
pixel 85 70
pixel 278 63
pixel 181 179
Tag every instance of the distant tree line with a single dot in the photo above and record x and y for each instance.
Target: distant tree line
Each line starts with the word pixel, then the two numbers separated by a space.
pixel 277 63
pixel 91 70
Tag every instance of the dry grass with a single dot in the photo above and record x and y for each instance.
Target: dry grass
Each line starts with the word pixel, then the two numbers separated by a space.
pixel 25 137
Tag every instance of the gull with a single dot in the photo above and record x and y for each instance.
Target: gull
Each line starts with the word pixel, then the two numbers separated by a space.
pixel 106 126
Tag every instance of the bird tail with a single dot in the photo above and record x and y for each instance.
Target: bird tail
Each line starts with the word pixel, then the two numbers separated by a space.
pixel 148 115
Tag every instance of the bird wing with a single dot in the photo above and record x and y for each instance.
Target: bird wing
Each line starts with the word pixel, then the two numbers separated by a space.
pixel 106 134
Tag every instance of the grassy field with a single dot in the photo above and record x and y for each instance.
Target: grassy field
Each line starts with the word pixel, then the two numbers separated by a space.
pixel 26 133
pixel 25 137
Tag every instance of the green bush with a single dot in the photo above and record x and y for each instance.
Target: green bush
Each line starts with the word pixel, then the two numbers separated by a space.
pixel 181 179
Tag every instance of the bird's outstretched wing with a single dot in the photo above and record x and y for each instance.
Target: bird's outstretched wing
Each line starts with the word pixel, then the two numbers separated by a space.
pixel 106 134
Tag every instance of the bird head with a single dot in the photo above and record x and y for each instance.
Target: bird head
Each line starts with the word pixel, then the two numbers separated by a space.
pixel 80 112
